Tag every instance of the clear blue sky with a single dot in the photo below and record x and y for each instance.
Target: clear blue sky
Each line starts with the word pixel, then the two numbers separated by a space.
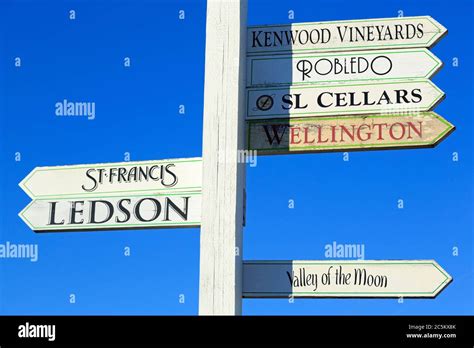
pixel 137 111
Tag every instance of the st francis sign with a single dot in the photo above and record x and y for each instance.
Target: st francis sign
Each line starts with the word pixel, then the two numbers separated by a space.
pixel 172 175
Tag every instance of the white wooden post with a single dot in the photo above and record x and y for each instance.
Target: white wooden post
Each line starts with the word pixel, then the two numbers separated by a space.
pixel 220 289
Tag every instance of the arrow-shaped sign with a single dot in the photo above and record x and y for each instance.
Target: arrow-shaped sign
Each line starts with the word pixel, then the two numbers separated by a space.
pixel 301 69
pixel 273 279
pixel 128 211
pixel 342 99
pixel 347 133
pixel 380 33
pixel 105 179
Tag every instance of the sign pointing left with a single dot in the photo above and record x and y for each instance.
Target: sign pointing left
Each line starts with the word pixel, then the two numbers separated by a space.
pixel 106 179
pixel 125 195
pixel 127 211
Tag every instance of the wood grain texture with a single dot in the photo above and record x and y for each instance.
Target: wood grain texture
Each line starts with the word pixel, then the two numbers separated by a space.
pixel 220 289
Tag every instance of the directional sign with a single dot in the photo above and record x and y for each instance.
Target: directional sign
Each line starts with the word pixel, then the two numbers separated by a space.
pixel 342 99
pixel 105 179
pixel 300 69
pixel 125 212
pixel 347 133
pixel 381 33
pixel 275 279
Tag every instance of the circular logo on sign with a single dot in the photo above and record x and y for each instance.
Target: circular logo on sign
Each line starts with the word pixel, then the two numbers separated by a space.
pixel 264 102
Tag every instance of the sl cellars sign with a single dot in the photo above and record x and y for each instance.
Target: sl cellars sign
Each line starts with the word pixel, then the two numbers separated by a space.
pixel 342 99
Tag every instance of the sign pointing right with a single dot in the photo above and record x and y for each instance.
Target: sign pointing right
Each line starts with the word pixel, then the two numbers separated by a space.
pixel 273 279
pixel 364 97
pixel 303 69
pixel 379 33
pixel 348 133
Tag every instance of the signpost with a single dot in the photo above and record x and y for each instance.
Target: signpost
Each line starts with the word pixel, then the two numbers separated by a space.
pixel 317 134
pixel 105 179
pixel 305 95
pixel 301 69
pixel 380 33
pixel 220 278
pixel 273 279
pixel 341 99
